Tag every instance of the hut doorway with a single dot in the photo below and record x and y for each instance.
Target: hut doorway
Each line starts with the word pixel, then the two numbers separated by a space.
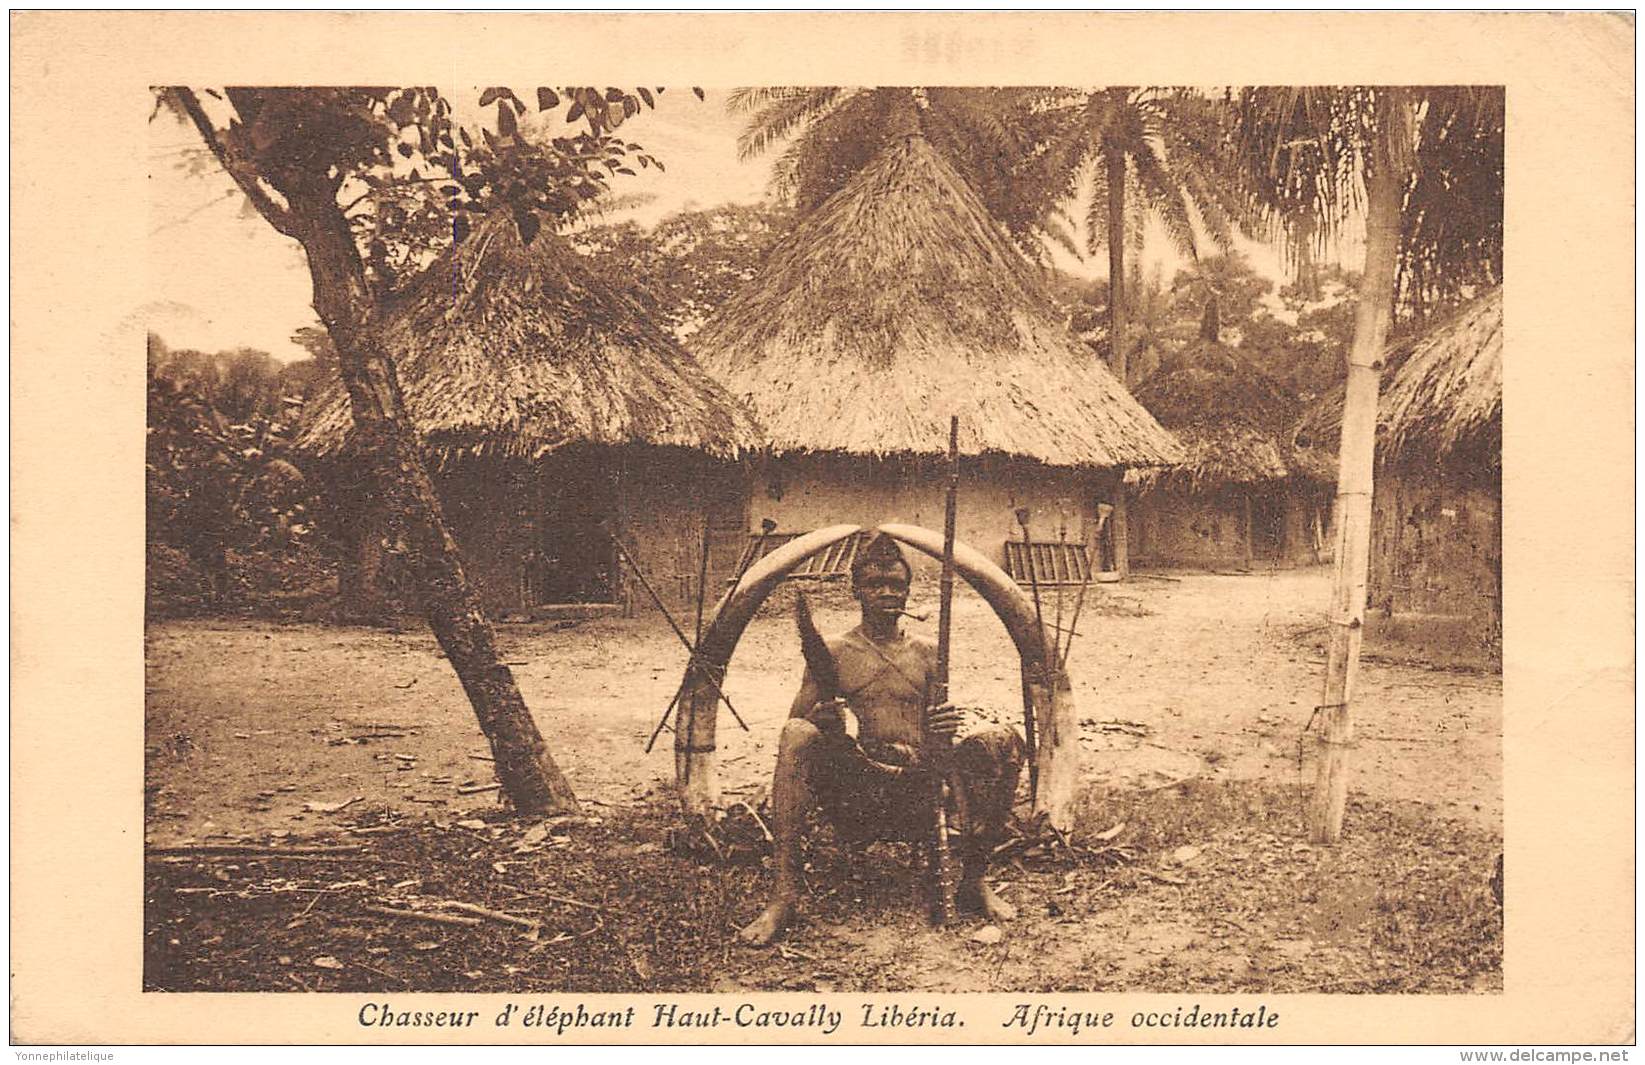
pixel 574 560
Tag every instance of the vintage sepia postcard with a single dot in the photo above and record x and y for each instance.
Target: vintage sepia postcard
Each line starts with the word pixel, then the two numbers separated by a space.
pixel 822 528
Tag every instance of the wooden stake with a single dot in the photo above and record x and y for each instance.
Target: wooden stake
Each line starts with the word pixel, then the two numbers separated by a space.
pixel 697 638
pixel 656 599
pixel 1028 723
pixel 767 527
pixel 1250 534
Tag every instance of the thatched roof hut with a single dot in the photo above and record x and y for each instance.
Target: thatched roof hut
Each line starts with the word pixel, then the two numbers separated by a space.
pixel 1435 580
pixel 554 411
pixel 1234 421
pixel 1441 399
pixel 1246 493
pixel 900 302
pixel 505 350
pixel 1445 400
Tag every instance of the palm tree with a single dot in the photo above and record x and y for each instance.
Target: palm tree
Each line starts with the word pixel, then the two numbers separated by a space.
pixel 832 132
pixel 1140 153
pixel 1312 158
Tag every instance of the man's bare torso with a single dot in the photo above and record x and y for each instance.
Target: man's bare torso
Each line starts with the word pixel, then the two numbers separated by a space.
pixel 885 684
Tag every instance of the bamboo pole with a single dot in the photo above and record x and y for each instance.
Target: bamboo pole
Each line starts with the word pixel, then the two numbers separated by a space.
pixel 1385 186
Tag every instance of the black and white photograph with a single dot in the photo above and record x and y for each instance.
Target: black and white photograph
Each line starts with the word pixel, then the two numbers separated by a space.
pixel 845 549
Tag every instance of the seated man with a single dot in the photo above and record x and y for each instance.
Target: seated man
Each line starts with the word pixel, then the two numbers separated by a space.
pixel 884 676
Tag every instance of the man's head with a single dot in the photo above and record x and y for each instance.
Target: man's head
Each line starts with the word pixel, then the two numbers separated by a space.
pixel 880 576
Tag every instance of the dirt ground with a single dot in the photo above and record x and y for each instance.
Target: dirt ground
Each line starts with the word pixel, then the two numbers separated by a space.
pixel 1193 691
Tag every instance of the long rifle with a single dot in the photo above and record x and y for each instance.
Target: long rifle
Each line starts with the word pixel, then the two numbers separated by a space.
pixel 940 747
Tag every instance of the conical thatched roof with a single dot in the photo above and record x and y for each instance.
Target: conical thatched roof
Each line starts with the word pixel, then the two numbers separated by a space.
pixel 900 302
pixel 1234 420
pixel 506 350
pixel 1441 400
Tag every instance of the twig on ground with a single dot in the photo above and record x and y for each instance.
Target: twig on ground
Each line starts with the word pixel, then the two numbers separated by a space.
pixel 495 915
pixel 418 915
pixel 571 902
pixel 786 950
pixel 475 789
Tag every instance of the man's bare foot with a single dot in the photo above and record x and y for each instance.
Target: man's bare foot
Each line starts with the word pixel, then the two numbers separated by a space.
pixel 980 897
pixel 768 925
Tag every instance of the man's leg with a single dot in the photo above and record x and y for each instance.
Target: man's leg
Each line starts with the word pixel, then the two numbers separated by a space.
pixel 986 766
pixel 791 800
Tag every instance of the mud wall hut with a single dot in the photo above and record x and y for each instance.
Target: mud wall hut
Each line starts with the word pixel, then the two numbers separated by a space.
pixel 1246 495
pixel 898 303
pixel 552 409
pixel 1435 582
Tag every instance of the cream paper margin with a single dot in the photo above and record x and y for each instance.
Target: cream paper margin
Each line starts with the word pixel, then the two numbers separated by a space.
pixel 79 104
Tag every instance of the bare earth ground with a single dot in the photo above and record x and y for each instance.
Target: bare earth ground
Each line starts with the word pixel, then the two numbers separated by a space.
pixel 1193 692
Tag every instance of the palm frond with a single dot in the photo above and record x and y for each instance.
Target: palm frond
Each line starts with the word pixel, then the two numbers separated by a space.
pixel 782 116
pixel 1096 208
pixel 1162 191
pixel 748 99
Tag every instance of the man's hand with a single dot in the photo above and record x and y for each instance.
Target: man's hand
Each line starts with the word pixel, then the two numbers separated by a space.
pixel 944 721
pixel 829 717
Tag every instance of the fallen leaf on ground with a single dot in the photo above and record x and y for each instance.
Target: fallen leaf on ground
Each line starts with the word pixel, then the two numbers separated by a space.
pixel 987 935
pixel 326 961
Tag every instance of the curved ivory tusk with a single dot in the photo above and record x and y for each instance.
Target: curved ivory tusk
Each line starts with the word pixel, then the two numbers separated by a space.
pixel 992 583
pixel 694 736
pixel 1045 686
pixel 741 603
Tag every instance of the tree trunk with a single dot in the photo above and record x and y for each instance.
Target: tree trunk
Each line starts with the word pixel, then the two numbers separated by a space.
pixel 392 457
pixel 1118 333
pixel 405 499
pixel 1385 185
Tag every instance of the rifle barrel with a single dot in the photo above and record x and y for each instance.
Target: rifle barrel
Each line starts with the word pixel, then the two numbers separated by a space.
pixel 945 911
pixel 945 610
